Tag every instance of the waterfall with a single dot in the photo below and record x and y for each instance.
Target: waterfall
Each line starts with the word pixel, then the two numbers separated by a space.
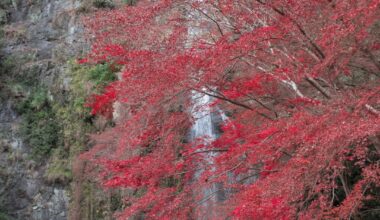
pixel 202 113
pixel 204 128
pixel 206 120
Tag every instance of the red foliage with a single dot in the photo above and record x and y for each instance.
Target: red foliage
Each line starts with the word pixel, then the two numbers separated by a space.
pixel 102 104
pixel 300 141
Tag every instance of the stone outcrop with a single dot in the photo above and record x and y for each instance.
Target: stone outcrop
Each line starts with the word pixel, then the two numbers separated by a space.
pixel 39 36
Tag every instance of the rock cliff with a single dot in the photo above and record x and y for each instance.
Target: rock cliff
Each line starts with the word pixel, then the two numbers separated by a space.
pixel 38 37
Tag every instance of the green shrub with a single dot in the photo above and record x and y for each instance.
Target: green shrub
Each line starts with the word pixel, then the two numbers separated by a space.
pixel 101 75
pixel 103 4
pixel 76 121
pixel 7 65
pixel 59 170
pixel 94 77
pixel 130 2
pixel 3 16
pixel 11 68
pixel 74 117
pixel 39 128
pixel 5 3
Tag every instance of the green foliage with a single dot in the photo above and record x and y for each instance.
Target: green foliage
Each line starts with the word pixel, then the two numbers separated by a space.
pixel 5 3
pixel 101 75
pixel 1 38
pixel 104 3
pixel 39 127
pixel 130 2
pixel 48 127
pixel 87 80
pixel 56 128
pixel 3 16
pixel 11 70
pixel 371 207
pixel 116 202
pixel 4 216
pixel 59 170
pixel 169 182
pixel 36 101
pixel 8 65
pixel 73 116
pixel 140 192
pixel 39 99
pixel 76 120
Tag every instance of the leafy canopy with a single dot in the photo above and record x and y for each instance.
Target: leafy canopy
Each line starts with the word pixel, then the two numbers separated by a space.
pixel 298 79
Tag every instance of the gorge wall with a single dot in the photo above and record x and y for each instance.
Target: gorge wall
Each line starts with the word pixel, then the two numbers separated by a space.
pixel 39 41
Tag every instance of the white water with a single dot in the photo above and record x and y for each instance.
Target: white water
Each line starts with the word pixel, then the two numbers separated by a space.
pixel 202 113
pixel 207 197
pixel 203 128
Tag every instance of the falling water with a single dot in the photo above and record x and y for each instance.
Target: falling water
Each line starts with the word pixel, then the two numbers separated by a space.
pixel 204 128
pixel 202 113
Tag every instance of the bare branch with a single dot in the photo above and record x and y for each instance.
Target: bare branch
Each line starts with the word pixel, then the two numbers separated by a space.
pixel 372 110
pixel 213 20
pixel 318 87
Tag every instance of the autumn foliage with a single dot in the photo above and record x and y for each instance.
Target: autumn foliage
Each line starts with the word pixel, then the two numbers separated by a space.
pixel 298 80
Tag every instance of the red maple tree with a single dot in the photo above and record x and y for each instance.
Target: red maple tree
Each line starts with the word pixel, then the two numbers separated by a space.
pixel 299 81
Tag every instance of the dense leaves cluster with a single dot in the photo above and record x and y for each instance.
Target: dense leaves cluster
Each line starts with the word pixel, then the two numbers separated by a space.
pixel 39 127
pixel 299 81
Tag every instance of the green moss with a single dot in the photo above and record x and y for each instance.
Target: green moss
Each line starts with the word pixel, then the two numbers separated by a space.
pixel 39 126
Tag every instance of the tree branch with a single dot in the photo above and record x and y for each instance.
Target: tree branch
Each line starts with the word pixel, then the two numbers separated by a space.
pixel 220 174
pixel 262 171
pixel 235 103
pixel 318 87
pixel 299 27
pixel 213 20
pixel 263 105
pixel 345 187
pixel 372 110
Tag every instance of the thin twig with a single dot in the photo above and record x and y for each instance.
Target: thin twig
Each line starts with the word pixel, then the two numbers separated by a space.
pixel 213 20
pixel 220 174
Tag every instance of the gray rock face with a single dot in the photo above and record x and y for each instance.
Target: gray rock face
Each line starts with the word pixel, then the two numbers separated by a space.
pixel 49 32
